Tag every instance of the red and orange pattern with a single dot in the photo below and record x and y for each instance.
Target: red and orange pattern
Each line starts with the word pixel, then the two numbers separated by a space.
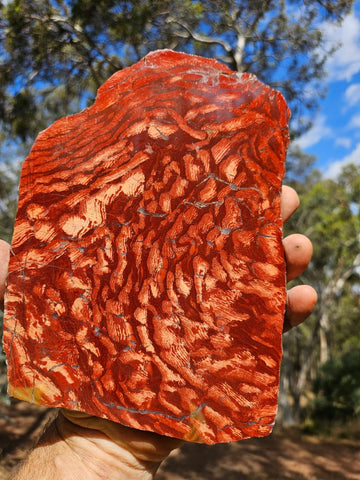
pixel 147 278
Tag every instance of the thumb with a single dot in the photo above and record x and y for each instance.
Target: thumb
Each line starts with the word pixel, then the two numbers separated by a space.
pixel 4 262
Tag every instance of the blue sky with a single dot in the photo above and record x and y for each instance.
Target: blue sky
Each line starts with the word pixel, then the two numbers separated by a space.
pixel 335 135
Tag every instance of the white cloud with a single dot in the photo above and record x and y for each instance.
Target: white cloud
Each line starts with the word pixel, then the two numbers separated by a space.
pixel 355 121
pixel 352 94
pixel 345 63
pixel 335 168
pixel 343 142
pixel 315 134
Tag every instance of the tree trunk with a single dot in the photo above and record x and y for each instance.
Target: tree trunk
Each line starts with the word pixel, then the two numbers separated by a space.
pixel 324 345
pixel 285 415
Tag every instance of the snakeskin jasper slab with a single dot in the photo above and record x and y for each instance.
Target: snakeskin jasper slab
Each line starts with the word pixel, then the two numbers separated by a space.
pixel 147 279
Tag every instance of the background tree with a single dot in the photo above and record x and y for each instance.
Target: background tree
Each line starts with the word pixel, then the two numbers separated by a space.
pixel 330 216
pixel 337 391
pixel 54 54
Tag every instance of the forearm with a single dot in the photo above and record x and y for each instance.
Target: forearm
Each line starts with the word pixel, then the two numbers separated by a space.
pixel 68 452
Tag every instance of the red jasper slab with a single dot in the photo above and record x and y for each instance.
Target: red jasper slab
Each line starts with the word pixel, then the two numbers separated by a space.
pixel 147 277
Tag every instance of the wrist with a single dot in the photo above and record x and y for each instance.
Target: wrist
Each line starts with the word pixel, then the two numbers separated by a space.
pixel 98 453
pixel 77 446
pixel 51 459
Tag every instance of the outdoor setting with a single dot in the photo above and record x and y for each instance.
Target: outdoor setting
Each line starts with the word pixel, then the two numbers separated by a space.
pixel 63 65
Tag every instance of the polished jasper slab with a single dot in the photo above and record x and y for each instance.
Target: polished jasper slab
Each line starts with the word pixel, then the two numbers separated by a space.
pixel 147 277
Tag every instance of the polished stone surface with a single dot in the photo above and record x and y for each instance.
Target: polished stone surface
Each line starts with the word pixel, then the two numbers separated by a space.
pixel 147 281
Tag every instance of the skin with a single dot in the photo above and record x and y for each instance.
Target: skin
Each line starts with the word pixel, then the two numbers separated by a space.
pixel 77 446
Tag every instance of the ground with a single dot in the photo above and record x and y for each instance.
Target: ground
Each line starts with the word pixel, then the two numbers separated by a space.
pixel 284 455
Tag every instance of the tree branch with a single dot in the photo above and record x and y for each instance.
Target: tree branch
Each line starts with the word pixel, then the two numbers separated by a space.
pixel 81 38
pixel 200 37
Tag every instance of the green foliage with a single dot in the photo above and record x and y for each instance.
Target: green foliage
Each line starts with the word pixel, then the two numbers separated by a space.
pixel 345 333
pixel 337 390
pixel 329 215
pixel 9 180
pixel 54 54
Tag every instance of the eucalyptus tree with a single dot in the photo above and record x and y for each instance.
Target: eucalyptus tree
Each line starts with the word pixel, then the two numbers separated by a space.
pixel 330 216
pixel 54 54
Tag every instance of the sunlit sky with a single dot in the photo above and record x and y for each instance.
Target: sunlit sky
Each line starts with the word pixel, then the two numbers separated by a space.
pixel 335 135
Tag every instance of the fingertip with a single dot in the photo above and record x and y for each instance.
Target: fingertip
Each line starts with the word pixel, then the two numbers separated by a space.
pixel 4 261
pixel 298 252
pixel 301 301
pixel 289 202
pixel 303 296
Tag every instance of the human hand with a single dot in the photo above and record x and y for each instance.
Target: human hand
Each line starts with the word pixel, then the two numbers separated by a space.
pixel 301 299
pixel 78 445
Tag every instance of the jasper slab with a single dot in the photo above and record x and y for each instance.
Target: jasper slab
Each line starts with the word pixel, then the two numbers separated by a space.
pixel 147 278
